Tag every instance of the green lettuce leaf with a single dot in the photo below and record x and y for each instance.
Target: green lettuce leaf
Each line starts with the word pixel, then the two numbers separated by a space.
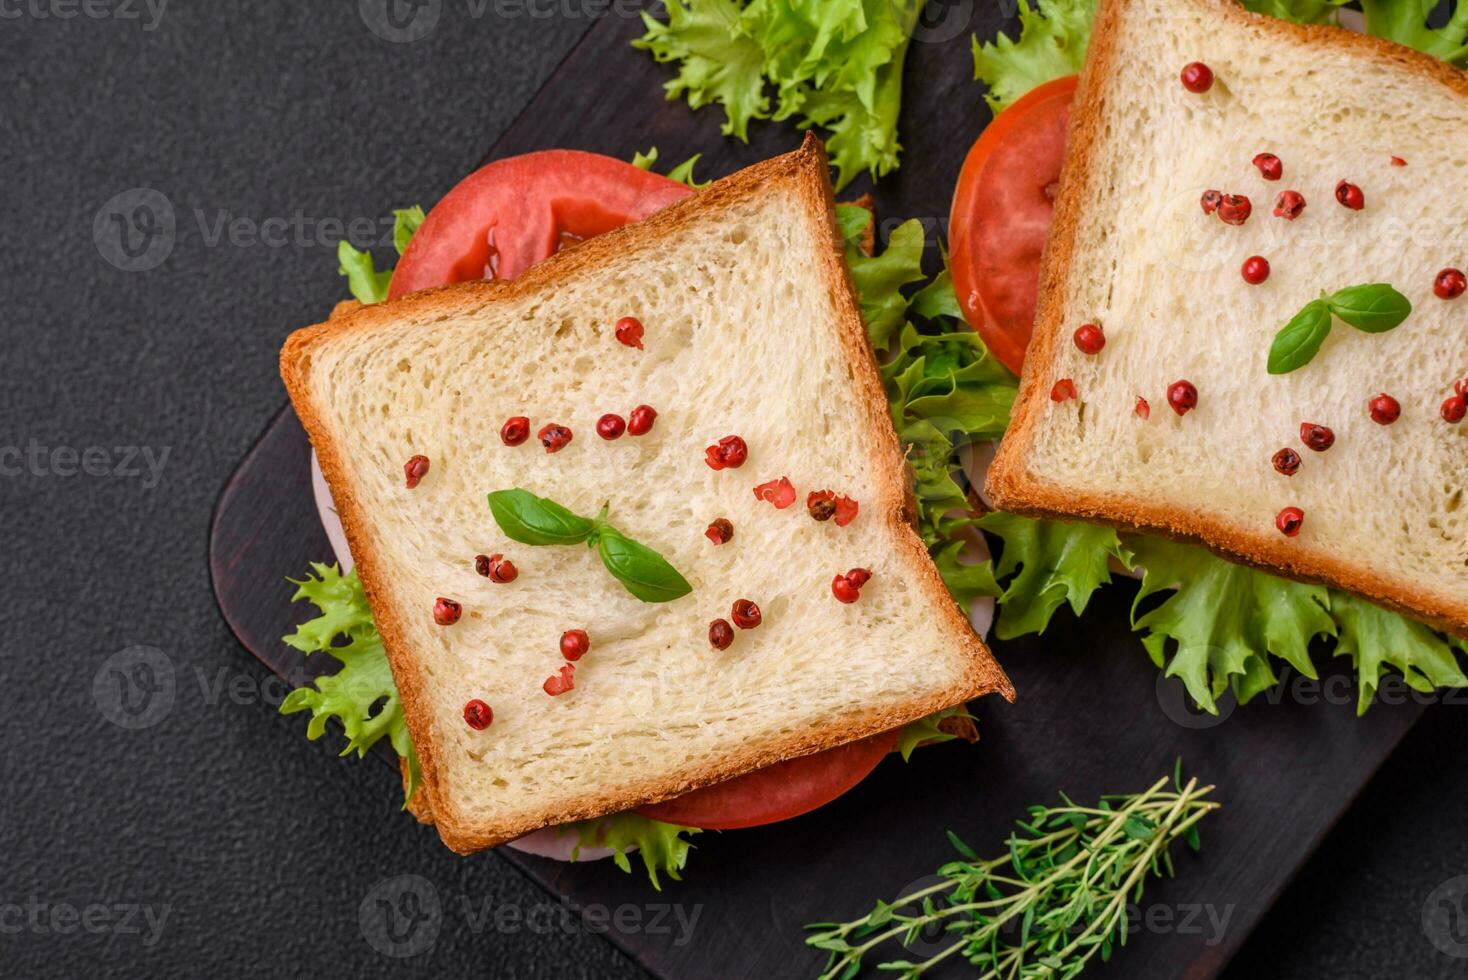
pixel 836 64
pixel 1299 11
pixel 682 173
pixel 367 285
pixel 1052 44
pixel 929 730
pixel 1376 640
pixel 880 278
pixel 1221 619
pixel 1057 563
pixel 1406 22
pixel 660 845
pixel 361 695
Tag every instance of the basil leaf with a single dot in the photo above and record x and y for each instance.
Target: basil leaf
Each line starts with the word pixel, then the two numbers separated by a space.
pixel 1300 340
pixel 1374 308
pixel 529 519
pixel 644 572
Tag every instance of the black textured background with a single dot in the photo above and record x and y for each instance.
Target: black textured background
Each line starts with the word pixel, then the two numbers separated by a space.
pixel 257 845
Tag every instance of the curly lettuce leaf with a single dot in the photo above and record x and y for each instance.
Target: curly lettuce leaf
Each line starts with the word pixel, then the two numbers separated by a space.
pixel 1052 43
pixel 836 64
pixel 660 845
pixel 941 726
pixel 1376 640
pixel 1057 563
pixel 1221 619
pixel 362 694
pixel 682 173
pixel 1406 22
pixel 1299 11
pixel 880 279
pixel 367 285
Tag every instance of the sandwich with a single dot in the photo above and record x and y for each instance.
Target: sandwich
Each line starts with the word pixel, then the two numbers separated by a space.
pixel 1247 335
pixel 630 520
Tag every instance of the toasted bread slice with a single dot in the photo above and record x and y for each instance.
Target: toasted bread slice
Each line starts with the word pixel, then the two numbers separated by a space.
pixel 1132 250
pixel 752 329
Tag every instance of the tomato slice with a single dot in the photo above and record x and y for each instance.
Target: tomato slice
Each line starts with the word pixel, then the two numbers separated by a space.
pixel 1001 217
pixel 498 222
pixel 778 792
pixel 510 214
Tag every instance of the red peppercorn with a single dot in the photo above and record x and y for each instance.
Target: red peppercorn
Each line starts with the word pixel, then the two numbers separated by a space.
pixel 1210 201
pixel 1089 338
pixel 415 469
pixel 554 437
pixel 843 590
pixel 730 453
pixel 1143 409
pixel 574 644
pixel 1316 437
pixel 1350 196
pixel 1182 396
pixel 1289 521
pixel 1398 162
pixel 1063 390
pixel 629 331
pixel 610 426
pixel 1234 209
pixel 1197 77
pixel 1289 205
pixel 1255 270
pixel 639 423
pixel 1269 166
pixel 478 715
pixel 446 612
pixel 561 681
pixel 746 614
pixel 858 577
pixel 1450 284
pixel 779 492
pixel 1454 409
pixel 496 568
pixel 721 634
pixel 515 431
pixel 1385 409
pixel 1287 461
pixel 1461 387
pixel 821 504
pixel 720 531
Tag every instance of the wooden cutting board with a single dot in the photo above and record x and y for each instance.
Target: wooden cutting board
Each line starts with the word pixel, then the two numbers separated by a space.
pixel 1092 717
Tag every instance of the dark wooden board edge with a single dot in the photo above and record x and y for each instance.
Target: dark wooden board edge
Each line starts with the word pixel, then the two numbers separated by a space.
pixel 265 527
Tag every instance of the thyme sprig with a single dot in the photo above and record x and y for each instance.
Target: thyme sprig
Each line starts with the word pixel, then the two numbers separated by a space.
pixel 1045 908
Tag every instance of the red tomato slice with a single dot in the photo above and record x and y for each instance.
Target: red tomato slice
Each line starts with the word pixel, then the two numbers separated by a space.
pixel 498 222
pixel 778 792
pixel 1001 216
pixel 510 214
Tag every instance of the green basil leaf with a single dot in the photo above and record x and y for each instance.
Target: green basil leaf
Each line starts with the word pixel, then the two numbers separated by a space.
pixel 644 572
pixel 1374 308
pixel 1300 340
pixel 529 519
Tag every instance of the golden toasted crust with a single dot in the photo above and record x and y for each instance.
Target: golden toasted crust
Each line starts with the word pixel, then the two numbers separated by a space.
pixel 1010 484
pixel 806 169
